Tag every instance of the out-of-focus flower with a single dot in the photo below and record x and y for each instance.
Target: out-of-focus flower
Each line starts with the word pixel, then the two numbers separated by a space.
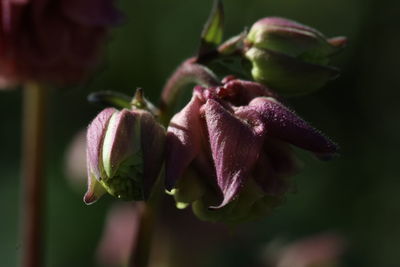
pixel 236 140
pixel 52 41
pixel 290 57
pixel 75 161
pixel 120 232
pixel 323 250
pixel 125 152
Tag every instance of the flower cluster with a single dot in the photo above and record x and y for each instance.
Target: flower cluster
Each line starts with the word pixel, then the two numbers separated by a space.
pixel 228 151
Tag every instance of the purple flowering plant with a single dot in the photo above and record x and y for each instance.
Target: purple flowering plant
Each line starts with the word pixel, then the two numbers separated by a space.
pixel 228 152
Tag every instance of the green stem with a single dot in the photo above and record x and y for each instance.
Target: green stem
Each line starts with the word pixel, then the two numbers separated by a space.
pixel 32 172
pixel 189 72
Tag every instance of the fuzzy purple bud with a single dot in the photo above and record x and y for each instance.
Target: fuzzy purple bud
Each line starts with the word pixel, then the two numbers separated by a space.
pixel 124 154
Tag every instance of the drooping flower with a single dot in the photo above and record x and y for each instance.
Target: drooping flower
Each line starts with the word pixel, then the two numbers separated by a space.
pixel 290 57
pixel 52 41
pixel 75 161
pixel 125 152
pixel 119 234
pixel 229 154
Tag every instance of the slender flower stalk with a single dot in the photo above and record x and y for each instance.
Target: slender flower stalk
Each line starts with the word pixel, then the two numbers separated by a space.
pixel 189 72
pixel 32 174
pixel 141 250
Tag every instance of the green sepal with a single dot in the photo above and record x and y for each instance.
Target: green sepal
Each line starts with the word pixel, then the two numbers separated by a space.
pixel 139 101
pixel 212 33
pixel 288 75
pixel 251 204
pixel 233 44
pixel 188 189
pixel 235 65
pixel 110 99
pixel 127 183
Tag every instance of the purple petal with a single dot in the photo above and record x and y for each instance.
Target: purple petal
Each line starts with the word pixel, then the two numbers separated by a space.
pixel 153 140
pixel 338 42
pixel 281 156
pixel 285 24
pixel 274 167
pixel 94 190
pixel 122 140
pixel 235 147
pixel 94 140
pixel 183 141
pixel 244 91
pixel 285 125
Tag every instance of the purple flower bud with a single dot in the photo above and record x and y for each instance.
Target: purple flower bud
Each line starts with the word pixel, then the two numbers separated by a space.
pixel 235 151
pixel 290 57
pixel 124 154
pixel 52 41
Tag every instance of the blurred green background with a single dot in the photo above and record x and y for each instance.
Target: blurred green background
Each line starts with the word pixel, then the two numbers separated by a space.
pixel 356 195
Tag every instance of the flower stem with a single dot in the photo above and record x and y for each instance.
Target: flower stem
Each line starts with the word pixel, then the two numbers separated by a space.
pixel 141 249
pixel 148 211
pixel 34 107
pixel 189 72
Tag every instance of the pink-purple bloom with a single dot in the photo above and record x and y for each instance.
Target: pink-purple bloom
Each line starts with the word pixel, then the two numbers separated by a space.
pixel 235 138
pixel 53 41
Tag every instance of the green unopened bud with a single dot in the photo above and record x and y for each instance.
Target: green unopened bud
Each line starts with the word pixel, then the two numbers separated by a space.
pixel 290 57
pixel 286 74
pixel 125 154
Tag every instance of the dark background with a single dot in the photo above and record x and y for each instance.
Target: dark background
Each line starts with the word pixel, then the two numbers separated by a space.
pixel 355 195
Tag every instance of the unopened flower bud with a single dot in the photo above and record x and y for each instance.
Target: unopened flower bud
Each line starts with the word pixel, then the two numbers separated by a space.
pixel 124 154
pixel 290 57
